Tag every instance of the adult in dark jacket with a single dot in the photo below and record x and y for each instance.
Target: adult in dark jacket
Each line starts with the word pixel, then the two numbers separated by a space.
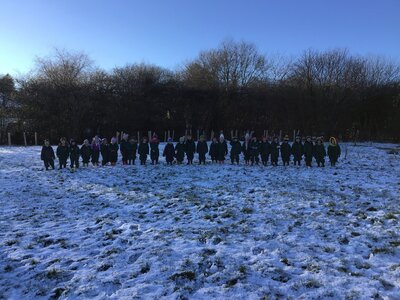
pixel 246 149
pixel 96 145
pixel 297 151
pixel 154 150
pixel 214 150
pixel 143 151
pixel 222 149
pixel 254 151
pixel 47 155
pixel 169 152
pixel 190 149
pixel 180 150
pixel 264 150
pixel 236 149
pixel 202 149
pixel 308 151
pixel 131 149
pixel 285 151
pixel 124 148
pixel 62 153
pixel 74 154
pixel 320 153
pixel 114 151
pixel 333 151
pixel 274 151
pixel 86 152
pixel 105 152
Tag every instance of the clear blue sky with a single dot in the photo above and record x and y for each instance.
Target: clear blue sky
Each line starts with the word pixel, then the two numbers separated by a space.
pixel 170 32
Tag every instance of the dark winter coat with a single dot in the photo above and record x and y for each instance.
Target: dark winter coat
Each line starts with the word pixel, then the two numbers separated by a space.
pixel 264 148
pixel 62 152
pixel 308 150
pixel 169 152
pixel 297 150
pixel 74 152
pixel 105 152
pixel 202 147
pixel 47 153
pixel 246 150
pixel 131 150
pixel 143 149
pixel 124 149
pixel 190 149
pixel 154 151
pixel 222 150
pixel 285 151
pixel 320 152
pixel 236 148
pixel 213 151
pixel 86 152
pixel 334 152
pixel 114 152
pixel 254 148
pixel 274 151
pixel 180 151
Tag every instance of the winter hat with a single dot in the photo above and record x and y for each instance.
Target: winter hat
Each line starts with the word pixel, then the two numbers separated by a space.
pixel 182 139
pixel 298 138
pixel 154 139
pixel 202 138
pixel 169 140
pixel 113 139
pixel 286 138
pixel 333 141
pixel 125 136
pixel 86 141
pixel 221 136
pixel 72 141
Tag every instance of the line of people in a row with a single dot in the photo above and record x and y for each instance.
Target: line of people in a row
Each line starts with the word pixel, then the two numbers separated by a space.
pixel 252 149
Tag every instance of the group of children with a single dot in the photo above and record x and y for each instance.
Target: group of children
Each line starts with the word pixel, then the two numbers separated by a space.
pixel 252 149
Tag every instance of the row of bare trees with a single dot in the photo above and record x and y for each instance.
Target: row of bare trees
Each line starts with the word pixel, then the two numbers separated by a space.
pixel 231 87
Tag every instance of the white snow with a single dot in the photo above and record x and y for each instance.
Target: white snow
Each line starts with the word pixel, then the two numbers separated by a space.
pixel 201 232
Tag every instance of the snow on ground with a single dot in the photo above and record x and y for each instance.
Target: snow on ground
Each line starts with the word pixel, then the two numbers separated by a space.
pixel 201 232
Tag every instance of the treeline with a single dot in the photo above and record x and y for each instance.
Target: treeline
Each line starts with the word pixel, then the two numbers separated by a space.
pixel 232 87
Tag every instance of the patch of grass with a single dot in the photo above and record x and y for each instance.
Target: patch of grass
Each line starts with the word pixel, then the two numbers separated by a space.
pixel 11 242
pixel 247 210
pixel 382 250
pixel 145 269
pixel 371 208
pixel 243 270
pixel 186 275
pixel 53 273
pixel 231 282
pixel 390 216
pixel 312 284
pixel 8 268
pixel 394 243
pixel 104 267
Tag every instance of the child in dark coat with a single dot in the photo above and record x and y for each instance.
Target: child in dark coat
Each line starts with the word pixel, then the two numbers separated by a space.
pixel 236 149
pixel 285 151
pixel 246 149
pixel 190 149
pixel 308 151
pixel 275 151
pixel 297 150
pixel 62 153
pixel 114 151
pixel 254 151
pixel 74 154
pixel 180 150
pixel 143 151
pixel 86 152
pixel 124 148
pixel 222 147
pixel 154 151
pixel 213 150
pixel 169 152
pixel 264 150
pixel 47 155
pixel 131 149
pixel 105 152
pixel 202 149
pixel 320 153
pixel 96 145
pixel 333 151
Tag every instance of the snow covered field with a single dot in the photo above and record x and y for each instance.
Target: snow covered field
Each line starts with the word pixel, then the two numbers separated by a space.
pixel 201 232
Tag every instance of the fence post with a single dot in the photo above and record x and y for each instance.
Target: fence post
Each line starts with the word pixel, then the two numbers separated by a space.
pixel 165 136
pixel 149 133
pixel 198 134
pixel 173 134
pixel 35 138
pixel 25 139
pixel 9 139
pixel 138 137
